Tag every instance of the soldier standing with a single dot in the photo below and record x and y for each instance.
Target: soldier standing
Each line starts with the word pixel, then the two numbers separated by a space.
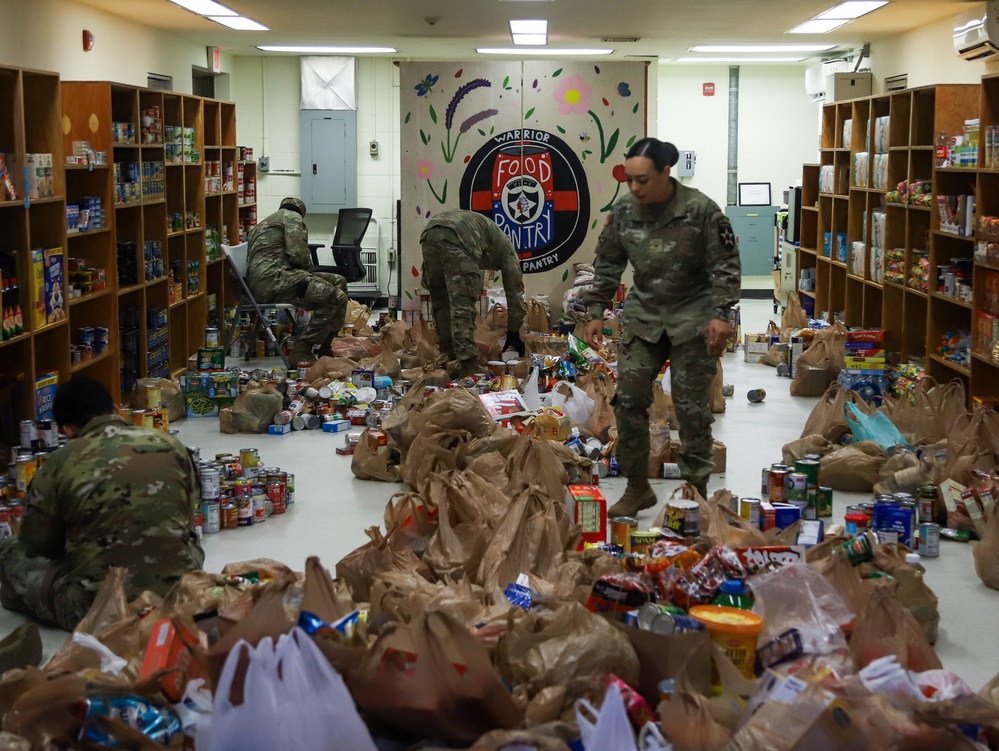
pixel 686 279
pixel 115 496
pixel 457 246
pixel 279 270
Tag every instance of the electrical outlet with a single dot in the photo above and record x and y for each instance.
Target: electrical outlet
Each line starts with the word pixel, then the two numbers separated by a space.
pixel 264 163
pixel 391 255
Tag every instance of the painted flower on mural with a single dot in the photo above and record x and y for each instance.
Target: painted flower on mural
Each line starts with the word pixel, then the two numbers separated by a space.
pixel 449 149
pixel 573 96
pixel 426 86
pixel 620 177
pixel 425 171
pixel 618 173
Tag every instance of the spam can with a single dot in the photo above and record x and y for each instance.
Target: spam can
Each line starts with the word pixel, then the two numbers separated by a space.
pixel 639 542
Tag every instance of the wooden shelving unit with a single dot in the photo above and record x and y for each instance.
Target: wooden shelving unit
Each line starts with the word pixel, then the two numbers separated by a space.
pixel 858 294
pixel 40 114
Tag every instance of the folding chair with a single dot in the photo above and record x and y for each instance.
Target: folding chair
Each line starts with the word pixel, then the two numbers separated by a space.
pixel 351 224
pixel 236 256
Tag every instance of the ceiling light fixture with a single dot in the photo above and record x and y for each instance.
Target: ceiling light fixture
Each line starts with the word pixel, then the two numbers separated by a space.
pixel 818 26
pixel 739 59
pixel 240 23
pixel 853 9
pixel 205 7
pixel 520 52
pixel 761 47
pixel 319 50
pixel 529 26
pixel 541 39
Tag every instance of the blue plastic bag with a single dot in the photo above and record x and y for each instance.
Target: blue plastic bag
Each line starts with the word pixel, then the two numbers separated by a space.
pixel 877 427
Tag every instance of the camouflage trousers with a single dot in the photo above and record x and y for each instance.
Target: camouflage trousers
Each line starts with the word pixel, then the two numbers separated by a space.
pixel 691 372
pixel 455 284
pixel 325 296
pixel 40 587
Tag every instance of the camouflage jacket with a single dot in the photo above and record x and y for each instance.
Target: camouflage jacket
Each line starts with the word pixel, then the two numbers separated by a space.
pixel 278 256
pixel 117 495
pixel 490 248
pixel 686 265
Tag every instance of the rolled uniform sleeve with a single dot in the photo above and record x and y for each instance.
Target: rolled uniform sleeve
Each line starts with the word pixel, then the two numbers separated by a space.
pixel 43 529
pixel 611 261
pixel 296 241
pixel 724 265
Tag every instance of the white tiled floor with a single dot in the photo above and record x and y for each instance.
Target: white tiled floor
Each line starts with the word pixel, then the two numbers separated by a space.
pixel 334 508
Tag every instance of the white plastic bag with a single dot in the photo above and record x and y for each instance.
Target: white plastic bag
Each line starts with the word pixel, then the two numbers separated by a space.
pixel 532 395
pixel 293 698
pixel 577 405
pixel 612 728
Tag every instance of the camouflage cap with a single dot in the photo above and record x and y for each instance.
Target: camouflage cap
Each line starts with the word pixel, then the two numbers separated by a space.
pixel 293 204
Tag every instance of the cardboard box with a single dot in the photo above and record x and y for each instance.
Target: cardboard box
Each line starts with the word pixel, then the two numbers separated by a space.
pixel 46 385
pixel 199 403
pixel 671 471
pixel 336 426
pixel 55 286
pixel 721 458
pixel 755 346
pixel 211 358
pixel 588 508
pixel 37 283
pixel 279 429
pixel 168 650
pixel 770 557
pixel 363 378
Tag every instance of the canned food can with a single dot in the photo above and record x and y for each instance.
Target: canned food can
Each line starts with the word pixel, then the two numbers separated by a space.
pixel 778 484
pixel 29 434
pixel 809 468
pixel 212 338
pixel 929 540
pixel 811 510
pixel 198 525
pixel 211 511
pixel 674 623
pixel 241 486
pixel 508 383
pixel 756 396
pixel 154 397
pixel 284 417
pixel 749 509
pixel 210 478
pixel 258 507
pixel 825 502
pixel 859 549
pixel 289 489
pixel 298 422
pixel 683 517
pixel 275 494
pixel 249 457
pixel 639 542
pixel 260 348
pixel 796 489
pixel 48 434
pixel 765 483
pixel 648 612
pixel 244 511
pixel 229 516
pixel 24 471
pixel 621 528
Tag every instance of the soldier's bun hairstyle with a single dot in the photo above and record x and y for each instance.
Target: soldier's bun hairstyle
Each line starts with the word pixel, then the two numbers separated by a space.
pixel 80 400
pixel 662 153
pixel 293 204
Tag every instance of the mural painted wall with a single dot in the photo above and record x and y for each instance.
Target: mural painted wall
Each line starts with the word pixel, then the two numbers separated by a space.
pixel 536 146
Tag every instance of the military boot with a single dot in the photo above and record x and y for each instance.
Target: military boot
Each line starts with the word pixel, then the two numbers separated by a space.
pixel 326 348
pixel 301 352
pixel 467 368
pixel 637 496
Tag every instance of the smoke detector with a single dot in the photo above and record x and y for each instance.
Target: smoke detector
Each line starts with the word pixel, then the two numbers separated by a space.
pixel 432 20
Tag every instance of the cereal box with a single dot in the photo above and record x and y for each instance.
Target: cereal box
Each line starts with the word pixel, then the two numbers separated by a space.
pixel 38 314
pixel 45 391
pixel 55 301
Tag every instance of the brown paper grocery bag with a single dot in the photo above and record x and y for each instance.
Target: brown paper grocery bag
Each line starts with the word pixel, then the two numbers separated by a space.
pixel 661 656
pixel 987 553
pixel 885 628
pixel 381 553
pixel 853 468
pixel 716 398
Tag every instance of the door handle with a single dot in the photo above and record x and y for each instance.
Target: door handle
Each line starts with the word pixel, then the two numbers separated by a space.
pixel 314 169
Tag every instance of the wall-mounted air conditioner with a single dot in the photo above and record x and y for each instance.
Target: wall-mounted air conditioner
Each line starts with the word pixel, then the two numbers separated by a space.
pixel 976 32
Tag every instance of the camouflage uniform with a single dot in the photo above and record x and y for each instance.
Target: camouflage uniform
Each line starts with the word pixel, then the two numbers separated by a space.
pixel 117 495
pixel 279 271
pixel 457 246
pixel 686 273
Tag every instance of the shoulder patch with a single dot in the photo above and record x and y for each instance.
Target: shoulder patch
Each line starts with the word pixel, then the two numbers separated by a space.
pixel 725 234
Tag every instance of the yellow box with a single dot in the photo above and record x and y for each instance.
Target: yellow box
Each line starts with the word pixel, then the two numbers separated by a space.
pixel 37 291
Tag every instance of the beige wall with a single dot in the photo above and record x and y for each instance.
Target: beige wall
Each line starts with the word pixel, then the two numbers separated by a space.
pixel 927 55
pixel 48 35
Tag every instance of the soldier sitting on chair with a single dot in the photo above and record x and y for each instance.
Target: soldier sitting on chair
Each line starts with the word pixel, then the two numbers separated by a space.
pixel 279 270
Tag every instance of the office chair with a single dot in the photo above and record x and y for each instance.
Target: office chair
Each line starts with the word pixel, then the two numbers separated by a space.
pixel 236 255
pixel 351 225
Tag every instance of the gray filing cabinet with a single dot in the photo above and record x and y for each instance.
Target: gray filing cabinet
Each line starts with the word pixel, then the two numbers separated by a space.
pixel 329 160
pixel 757 233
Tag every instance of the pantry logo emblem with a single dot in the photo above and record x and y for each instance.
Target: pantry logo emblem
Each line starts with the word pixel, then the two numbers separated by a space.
pixel 532 184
